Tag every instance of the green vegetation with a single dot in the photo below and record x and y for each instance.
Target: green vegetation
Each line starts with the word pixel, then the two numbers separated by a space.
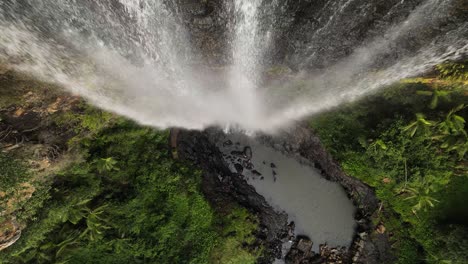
pixel 410 143
pixel 126 200
pixel 12 173
pixel 237 229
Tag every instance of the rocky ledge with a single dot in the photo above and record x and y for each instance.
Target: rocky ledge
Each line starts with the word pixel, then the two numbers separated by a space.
pixel 221 186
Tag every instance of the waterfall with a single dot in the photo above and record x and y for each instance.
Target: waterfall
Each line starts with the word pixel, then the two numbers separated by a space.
pixel 137 58
pixel 246 55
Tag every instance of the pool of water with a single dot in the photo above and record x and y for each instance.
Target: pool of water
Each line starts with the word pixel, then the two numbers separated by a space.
pixel 319 208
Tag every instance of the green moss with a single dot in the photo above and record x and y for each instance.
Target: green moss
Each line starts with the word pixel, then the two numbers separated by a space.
pixel 237 238
pixel 15 86
pixel 12 174
pixel 89 119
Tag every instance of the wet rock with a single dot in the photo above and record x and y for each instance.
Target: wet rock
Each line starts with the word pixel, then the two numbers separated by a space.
pixel 324 251
pixel 239 168
pixel 248 152
pixel 227 143
pixel 374 249
pixel 305 245
pixel 203 22
pixel 256 173
pixel 300 252
pixel 197 9
pixel 237 153
pixel 291 228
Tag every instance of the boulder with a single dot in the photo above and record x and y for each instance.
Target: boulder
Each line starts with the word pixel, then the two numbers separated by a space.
pixel 305 245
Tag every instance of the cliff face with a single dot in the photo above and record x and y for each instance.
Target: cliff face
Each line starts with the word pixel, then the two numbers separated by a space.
pixel 317 34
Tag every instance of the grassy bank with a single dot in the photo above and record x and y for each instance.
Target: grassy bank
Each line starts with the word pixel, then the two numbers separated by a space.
pixel 409 142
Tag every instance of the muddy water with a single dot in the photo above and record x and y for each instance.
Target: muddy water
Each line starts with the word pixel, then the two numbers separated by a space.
pixel 319 208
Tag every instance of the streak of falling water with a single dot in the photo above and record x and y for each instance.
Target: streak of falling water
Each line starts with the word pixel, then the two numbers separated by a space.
pixel 246 54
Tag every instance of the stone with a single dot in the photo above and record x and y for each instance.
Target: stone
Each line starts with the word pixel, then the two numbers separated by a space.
pixel 381 229
pixel 248 152
pixel 304 245
pixel 227 143
pixel 255 172
pixel 239 167
pixel 237 153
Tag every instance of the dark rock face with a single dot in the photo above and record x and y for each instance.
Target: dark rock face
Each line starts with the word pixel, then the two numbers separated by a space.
pixel 306 147
pixel 222 187
pixel 207 23
pixel 315 34
pixel 300 251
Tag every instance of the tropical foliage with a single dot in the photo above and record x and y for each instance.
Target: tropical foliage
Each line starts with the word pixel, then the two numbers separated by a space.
pixel 127 201
pixel 410 143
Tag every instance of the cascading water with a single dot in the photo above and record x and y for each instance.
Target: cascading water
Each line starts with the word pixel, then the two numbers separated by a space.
pixel 243 78
pixel 135 57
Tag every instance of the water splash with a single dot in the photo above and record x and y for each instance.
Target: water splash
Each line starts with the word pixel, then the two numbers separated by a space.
pixel 246 55
pixel 134 58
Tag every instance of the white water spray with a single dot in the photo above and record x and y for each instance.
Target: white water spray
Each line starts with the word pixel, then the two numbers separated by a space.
pixel 134 58
pixel 246 53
